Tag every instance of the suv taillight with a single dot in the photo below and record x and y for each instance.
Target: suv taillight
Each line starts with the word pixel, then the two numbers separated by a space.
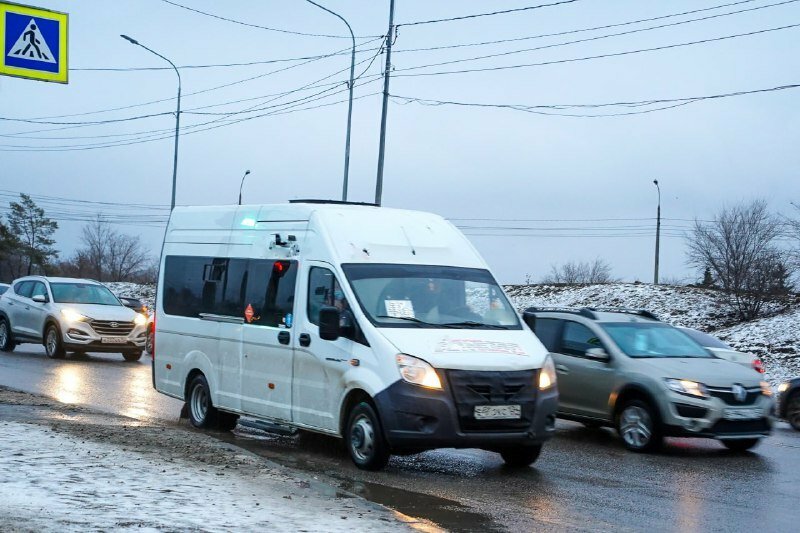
pixel 758 366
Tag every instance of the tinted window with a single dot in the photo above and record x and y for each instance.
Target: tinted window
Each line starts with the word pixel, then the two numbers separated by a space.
pixel 23 288
pixel 270 291
pixel 547 329
pixel 228 286
pixel 578 338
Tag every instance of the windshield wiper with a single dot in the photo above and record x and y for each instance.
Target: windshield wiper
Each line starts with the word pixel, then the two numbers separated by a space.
pixel 472 324
pixel 408 318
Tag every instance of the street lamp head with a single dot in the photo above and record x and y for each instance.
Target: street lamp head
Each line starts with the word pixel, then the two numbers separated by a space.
pixel 655 182
pixel 246 173
pixel 129 39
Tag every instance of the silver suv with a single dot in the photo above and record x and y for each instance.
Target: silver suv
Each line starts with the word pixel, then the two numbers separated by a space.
pixel 63 314
pixel 628 370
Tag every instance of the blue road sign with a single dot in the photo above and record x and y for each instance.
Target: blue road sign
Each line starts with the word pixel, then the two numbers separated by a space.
pixel 34 43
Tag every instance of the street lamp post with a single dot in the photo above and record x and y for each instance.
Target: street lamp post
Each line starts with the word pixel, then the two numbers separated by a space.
pixel 350 98
pixel 658 231
pixel 177 115
pixel 242 185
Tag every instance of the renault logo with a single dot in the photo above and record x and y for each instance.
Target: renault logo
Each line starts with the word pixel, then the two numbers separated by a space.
pixel 114 325
pixel 739 393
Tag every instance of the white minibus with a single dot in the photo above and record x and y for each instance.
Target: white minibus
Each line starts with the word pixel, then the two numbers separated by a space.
pixel 381 326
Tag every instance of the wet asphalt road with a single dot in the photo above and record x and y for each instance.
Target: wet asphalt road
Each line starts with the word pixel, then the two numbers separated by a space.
pixel 584 478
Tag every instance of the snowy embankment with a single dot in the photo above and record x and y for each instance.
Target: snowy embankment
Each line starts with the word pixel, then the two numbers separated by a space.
pixel 774 339
pixel 146 293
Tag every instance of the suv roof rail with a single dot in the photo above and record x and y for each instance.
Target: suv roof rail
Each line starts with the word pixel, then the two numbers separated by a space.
pixel 583 311
pixel 641 312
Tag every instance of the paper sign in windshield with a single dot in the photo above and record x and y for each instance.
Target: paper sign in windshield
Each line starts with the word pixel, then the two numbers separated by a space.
pixel 399 308
pixel 478 345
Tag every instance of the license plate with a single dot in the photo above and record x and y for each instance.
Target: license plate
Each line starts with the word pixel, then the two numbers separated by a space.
pixel 742 414
pixel 114 340
pixel 498 412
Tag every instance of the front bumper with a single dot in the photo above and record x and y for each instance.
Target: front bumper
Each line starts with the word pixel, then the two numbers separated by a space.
pixel 416 418
pixel 81 336
pixel 712 417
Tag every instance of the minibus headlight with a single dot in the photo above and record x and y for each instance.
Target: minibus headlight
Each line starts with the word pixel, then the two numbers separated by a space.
pixel 418 372
pixel 140 319
pixel 71 315
pixel 547 376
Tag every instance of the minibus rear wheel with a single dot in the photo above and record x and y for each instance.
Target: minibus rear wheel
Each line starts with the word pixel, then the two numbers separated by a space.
pixel 364 438
pixel 202 414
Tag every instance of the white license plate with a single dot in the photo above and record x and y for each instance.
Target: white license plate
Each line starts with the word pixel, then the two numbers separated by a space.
pixel 742 414
pixel 114 340
pixel 498 412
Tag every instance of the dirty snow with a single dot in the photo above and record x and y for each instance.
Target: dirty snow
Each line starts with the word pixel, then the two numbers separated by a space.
pixel 775 339
pixel 69 469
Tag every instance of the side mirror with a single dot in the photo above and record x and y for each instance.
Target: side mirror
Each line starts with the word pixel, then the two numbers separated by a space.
pixel 530 319
pixel 329 323
pixel 598 354
pixel 40 299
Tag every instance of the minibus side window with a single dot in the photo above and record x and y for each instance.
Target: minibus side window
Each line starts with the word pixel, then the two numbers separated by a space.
pixel 186 287
pixel 270 292
pixel 232 288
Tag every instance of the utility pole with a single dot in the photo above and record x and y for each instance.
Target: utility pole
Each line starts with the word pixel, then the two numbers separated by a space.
pixel 658 231
pixel 387 70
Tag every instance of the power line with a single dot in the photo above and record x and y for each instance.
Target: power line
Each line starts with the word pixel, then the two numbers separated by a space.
pixel 493 13
pixel 597 37
pixel 569 32
pixel 587 58
pixel 260 27
pixel 538 109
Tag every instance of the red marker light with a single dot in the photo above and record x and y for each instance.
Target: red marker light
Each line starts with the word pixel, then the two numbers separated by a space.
pixel 758 366
pixel 278 266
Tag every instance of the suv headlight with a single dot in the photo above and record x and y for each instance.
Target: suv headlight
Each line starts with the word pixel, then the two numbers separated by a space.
pixel 418 372
pixel 766 390
pixel 690 388
pixel 71 315
pixel 140 319
pixel 783 387
pixel 547 376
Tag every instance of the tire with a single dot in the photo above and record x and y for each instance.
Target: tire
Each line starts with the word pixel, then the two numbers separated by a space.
pixel 148 343
pixel 7 343
pixel 364 438
pixel 521 456
pixel 793 410
pixel 53 346
pixel 132 356
pixel 226 421
pixel 202 413
pixel 639 426
pixel 740 445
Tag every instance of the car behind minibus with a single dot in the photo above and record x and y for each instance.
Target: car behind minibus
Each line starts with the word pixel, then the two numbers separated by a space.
pixel 381 326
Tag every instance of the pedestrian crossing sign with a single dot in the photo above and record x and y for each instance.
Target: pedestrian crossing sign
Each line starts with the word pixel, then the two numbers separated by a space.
pixel 34 43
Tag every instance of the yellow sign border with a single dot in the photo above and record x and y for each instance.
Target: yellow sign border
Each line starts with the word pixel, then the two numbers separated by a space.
pixel 63 24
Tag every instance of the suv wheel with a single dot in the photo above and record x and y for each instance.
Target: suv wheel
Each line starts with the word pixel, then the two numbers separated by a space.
pixel 638 426
pixel 793 410
pixel 521 456
pixel 7 343
pixel 132 356
pixel 52 343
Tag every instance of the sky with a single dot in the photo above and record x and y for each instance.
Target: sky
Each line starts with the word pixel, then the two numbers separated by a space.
pixel 529 189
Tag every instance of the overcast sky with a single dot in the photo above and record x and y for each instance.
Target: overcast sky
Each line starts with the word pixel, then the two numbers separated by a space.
pixel 583 184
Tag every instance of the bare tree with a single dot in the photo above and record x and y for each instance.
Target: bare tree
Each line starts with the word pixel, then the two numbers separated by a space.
pixel 108 255
pixel 739 247
pixel 580 272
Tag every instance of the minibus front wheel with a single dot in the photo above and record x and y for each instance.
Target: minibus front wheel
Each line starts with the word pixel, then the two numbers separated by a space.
pixel 364 438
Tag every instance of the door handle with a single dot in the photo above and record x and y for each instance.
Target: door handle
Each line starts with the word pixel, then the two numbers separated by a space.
pixel 305 339
pixel 561 369
pixel 284 337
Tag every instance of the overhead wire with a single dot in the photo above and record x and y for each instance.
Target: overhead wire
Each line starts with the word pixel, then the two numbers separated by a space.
pixel 398 72
pixel 490 14
pixel 261 27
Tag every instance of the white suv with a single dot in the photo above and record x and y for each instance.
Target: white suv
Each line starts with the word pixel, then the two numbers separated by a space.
pixel 69 314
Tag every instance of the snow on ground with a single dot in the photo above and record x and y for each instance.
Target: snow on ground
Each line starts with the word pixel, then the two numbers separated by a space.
pixel 775 339
pixel 64 468
pixel 146 293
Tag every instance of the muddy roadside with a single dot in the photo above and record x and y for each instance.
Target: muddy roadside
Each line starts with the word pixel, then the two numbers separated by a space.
pixel 66 467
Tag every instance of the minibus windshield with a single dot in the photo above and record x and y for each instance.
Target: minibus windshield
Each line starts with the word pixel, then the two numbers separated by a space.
pixel 425 296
